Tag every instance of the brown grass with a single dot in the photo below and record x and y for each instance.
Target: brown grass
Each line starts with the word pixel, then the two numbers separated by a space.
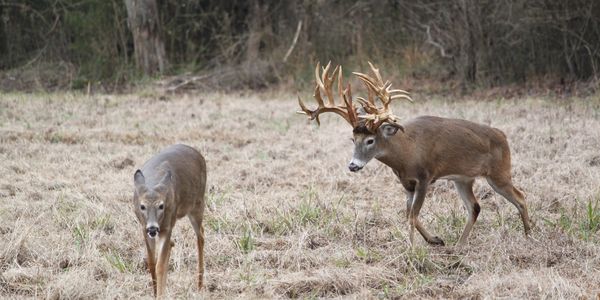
pixel 285 217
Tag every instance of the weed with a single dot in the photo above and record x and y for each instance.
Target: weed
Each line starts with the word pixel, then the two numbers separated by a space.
pixel 247 277
pixel 419 259
pixel 64 211
pixel 118 262
pixel 341 262
pixel 218 224
pixel 584 228
pixel 308 213
pixel 246 271
pixel 281 224
pixel 591 224
pixel 368 255
pixel 385 292
pixel 246 242
pixel 80 234
pixel 103 223
pixel 216 199
pixel 451 225
pixel 565 222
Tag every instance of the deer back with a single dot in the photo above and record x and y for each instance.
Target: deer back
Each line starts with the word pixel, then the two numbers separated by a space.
pixel 437 147
pixel 188 170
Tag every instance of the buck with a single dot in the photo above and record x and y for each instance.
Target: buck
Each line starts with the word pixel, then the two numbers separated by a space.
pixel 420 151
pixel 169 186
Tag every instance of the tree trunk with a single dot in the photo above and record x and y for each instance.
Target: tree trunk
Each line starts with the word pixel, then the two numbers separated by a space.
pixel 255 30
pixel 468 43
pixel 144 23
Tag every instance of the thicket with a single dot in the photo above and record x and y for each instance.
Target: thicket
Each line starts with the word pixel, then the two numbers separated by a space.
pixel 474 42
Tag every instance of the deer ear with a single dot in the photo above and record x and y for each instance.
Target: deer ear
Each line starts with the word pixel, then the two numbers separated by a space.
pixel 390 129
pixel 166 180
pixel 138 178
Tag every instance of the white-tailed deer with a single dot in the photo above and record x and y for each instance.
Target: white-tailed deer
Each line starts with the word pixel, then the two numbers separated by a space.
pixel 421 150
pixel 169 186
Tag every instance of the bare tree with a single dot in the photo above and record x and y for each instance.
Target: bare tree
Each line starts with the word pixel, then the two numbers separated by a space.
pixel 145 26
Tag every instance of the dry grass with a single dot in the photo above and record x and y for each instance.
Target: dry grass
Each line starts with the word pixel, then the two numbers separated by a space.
pixel 285 217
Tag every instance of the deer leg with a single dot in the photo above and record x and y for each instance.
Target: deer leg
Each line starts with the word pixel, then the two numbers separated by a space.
pixel 196 220
pixel 162 264
pixel 505 188
pixel 409 200
pixel 409 191
pixel 417 202
pixel 465 190
pixel 151 259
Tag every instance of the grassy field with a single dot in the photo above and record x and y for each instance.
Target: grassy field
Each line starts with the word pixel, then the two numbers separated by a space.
pixel 285 217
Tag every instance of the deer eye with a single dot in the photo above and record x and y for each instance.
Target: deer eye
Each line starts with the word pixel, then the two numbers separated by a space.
pixel 161 206
pixel 143 207
pixel 370 142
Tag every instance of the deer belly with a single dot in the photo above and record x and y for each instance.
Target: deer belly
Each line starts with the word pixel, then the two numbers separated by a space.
pixel 456 177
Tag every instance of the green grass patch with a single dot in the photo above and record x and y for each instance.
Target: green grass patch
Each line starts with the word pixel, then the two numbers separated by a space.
pixel 584 226
pixel 451 225
pixel 119 262
pixel 81 234
pixel 219 224
pixel 245 242
pixel 103 223
pixel 367 255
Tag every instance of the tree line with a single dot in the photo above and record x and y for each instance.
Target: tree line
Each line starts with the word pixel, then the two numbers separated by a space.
pixel 262 42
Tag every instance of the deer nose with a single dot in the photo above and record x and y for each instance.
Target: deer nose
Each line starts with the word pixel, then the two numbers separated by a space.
pixel 354 167
pixel 152 231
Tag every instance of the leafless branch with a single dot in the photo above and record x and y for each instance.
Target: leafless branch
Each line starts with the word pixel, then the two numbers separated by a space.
pixel 430 41
pixel 293 45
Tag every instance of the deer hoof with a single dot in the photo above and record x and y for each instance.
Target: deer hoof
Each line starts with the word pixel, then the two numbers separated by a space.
pixel 436 241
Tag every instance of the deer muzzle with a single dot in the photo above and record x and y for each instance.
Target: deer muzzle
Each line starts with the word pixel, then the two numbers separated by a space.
pixel 354 167
pixel 152 231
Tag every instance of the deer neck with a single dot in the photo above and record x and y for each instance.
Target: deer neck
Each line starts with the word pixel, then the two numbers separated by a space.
pixel 396 152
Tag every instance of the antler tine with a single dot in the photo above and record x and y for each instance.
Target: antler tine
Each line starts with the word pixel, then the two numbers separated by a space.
pixel 325 71
pixel 399 91
pixel 368 82
pixel 376 72
pixel 370 94
pixel 376 87
pixel 317 77
pixel 383 91
pixel 375 116
pixel 340 83
pixel 312 114
pixel 325 82
pixel 317 96
pixel 407 97
pixel 372 88
pixel 347 95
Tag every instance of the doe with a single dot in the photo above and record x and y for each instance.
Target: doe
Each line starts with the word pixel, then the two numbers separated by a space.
pixel 169 186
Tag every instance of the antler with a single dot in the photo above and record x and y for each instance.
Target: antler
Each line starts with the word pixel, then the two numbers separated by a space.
pixel 375 116
pixel 324 82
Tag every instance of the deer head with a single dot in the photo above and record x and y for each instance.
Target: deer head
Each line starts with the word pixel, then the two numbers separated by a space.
pixel 372 125
pixel 150 202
